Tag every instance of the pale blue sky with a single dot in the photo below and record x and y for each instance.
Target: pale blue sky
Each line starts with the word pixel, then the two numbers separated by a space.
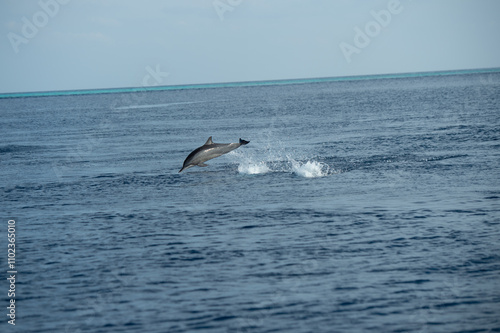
pixel 86 44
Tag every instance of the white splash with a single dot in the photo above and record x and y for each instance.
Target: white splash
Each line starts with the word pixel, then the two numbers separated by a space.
pixel 247 164
pixel 272 160
pixel 310 169
pixel 253 168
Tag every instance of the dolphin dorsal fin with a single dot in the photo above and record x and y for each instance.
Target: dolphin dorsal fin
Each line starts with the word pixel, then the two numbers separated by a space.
pixel 209 141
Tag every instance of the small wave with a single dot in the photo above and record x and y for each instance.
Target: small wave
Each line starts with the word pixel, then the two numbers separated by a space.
pixel 17 149
pixel 149 106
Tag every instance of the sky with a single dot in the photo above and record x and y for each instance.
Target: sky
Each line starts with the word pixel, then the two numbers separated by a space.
pixel 50 45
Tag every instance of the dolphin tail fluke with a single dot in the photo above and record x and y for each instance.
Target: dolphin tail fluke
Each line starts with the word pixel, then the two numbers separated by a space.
pixel 243 142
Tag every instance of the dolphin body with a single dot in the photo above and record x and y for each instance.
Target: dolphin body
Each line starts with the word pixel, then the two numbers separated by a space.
pixel 208 151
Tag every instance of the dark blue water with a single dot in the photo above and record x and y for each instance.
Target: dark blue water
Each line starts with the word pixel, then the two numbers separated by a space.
pixel 358 206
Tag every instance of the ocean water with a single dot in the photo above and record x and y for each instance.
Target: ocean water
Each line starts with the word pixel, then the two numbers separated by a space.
pixel 359 205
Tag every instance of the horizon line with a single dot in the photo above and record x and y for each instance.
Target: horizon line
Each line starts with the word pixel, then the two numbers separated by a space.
pixel 89 91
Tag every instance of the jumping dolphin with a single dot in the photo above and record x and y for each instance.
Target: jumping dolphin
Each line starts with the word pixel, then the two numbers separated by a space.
pixel 208 151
